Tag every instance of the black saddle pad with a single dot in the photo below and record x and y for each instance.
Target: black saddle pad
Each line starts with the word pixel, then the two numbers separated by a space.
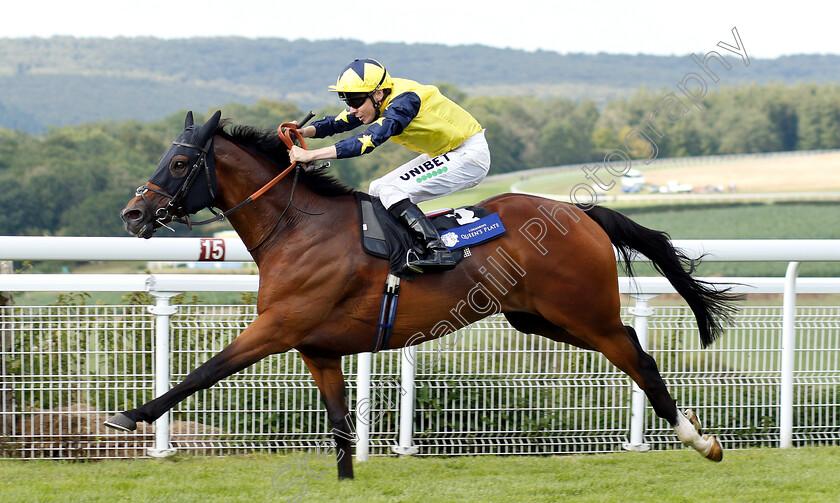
pixel 384 237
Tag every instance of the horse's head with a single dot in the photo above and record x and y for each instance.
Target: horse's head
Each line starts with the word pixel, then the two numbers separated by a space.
pixel 183 183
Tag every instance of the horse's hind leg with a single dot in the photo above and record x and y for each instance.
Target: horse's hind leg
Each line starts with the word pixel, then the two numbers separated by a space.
pixel 621 346
pixel 686 425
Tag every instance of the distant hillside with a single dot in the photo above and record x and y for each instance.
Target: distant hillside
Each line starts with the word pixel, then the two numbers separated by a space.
pixel 65 81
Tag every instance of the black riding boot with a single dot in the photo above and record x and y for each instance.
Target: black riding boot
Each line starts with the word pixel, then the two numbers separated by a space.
pixel 437 257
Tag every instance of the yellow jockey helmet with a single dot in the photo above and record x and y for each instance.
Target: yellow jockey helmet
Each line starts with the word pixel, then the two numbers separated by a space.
pixel 362 76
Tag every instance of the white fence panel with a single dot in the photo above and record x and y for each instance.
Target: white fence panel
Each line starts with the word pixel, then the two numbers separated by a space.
pixel 491 391
pixel 62 368
pixel 483 390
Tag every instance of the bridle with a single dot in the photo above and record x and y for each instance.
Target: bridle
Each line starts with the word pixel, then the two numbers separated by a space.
pixel 174 210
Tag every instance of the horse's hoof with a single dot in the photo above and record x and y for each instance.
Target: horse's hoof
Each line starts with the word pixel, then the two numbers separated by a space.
pixel 692 417
pixel 714 452
pixel 121 422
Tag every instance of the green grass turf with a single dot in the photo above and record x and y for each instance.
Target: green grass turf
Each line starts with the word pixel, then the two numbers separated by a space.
pixel 748 221
pixel 756 475
pixel 744 221
pixel 470 196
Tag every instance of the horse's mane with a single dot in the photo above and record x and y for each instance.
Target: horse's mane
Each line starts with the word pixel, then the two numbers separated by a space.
pixel 268 144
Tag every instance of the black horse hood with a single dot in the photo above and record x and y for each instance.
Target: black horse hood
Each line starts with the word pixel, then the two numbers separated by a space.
pixel 189 166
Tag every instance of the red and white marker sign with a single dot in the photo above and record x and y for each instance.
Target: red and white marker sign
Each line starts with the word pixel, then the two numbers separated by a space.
pixel 212 250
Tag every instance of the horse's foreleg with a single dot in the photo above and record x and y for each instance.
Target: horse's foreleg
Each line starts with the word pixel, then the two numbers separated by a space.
pixel 256 342
pixel 330 380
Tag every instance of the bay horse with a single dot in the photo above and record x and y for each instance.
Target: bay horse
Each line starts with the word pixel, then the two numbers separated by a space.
pixel 553 273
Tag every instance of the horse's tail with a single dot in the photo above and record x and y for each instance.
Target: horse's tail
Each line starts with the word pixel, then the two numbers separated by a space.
pixel 711 305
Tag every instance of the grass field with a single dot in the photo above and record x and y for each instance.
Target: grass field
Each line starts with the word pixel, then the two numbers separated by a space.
pixel 793 173
pixel 749 221
pixel 470 196
pixel 757 475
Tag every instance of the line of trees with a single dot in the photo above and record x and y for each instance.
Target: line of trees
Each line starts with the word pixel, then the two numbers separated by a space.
pixel 74 180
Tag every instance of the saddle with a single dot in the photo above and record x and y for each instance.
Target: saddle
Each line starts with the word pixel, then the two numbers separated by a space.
pixel 384 237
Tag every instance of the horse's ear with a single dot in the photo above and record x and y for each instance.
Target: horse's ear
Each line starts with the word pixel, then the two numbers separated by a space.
pixel 189 120
pixel 214 121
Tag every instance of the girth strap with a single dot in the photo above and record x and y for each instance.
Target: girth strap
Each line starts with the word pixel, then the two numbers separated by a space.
pixel 387 313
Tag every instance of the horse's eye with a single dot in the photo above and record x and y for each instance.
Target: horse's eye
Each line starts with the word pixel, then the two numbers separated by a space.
pixel 178 166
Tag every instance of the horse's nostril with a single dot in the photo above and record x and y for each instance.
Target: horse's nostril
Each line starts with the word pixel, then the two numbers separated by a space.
pixel 133 214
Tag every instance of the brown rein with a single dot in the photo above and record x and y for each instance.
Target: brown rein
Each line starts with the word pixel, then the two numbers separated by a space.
pixel 287 132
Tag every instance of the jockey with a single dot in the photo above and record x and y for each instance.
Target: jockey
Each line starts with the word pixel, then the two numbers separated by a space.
pixel 453 151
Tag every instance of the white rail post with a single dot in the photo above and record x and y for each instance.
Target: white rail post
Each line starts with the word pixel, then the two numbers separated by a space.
pixel 408 369
pixel 642 312
pixel 162 311
pixel 363 405
pixel 7 395
pixel 787 357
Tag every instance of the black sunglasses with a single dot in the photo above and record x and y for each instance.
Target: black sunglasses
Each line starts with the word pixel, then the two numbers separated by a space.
pixel 355 101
